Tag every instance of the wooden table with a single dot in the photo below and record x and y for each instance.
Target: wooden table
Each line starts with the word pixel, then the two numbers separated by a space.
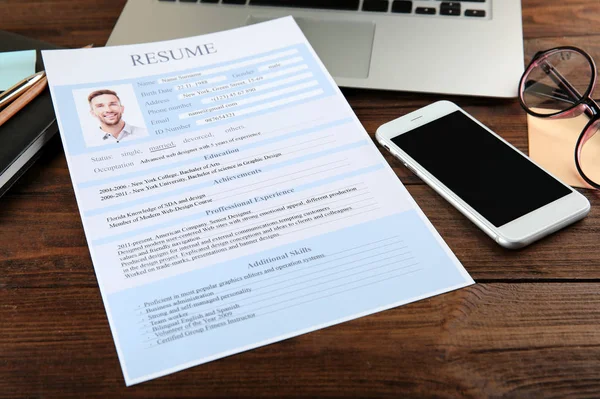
pixel 529 328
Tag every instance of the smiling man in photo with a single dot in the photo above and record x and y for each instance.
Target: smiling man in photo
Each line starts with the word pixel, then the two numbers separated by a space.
pixel 105 105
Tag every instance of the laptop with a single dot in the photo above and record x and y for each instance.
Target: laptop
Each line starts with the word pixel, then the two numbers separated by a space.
pixel 465 47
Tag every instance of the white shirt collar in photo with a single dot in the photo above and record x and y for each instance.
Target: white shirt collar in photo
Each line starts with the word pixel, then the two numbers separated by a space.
pixel 127 131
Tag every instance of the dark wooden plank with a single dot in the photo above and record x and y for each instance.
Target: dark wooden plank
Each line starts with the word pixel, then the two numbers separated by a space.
pixel 543 18
pixel 569 254
pixel 514 340
pixel 590 43
pixel 67 23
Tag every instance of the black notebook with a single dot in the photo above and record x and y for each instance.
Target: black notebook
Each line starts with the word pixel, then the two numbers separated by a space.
pixel 23 136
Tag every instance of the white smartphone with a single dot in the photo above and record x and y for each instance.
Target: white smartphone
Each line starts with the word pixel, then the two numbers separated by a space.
pixel 497 187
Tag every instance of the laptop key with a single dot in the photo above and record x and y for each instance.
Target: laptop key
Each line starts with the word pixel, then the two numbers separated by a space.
pixel 323 4
pixel 375 5
pixel 450 8
pixel 474 13
pixel 234 1
pixel 425 10
pixel 209 1
pixel 401 6
pixel 449 11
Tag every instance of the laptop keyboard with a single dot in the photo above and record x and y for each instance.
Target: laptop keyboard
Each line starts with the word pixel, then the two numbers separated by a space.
pixel 456 8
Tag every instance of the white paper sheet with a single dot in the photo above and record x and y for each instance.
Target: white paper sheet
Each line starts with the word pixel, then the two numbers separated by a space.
pixel 242 204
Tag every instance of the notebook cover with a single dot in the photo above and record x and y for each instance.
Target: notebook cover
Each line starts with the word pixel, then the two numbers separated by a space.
pixel 34 120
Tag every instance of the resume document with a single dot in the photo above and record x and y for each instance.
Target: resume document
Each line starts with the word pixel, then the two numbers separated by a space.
pixel 231 198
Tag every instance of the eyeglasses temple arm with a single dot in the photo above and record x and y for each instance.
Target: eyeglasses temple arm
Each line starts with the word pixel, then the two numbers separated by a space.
pixel 560 81
pixel 545 91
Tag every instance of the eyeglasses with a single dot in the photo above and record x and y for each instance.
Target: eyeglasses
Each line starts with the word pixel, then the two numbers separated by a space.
pixel 558 83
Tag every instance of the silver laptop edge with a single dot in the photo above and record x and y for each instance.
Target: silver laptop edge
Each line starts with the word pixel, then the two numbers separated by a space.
pixel 418 53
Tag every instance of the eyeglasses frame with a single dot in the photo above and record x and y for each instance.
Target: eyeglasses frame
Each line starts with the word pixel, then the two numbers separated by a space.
pixel 582 104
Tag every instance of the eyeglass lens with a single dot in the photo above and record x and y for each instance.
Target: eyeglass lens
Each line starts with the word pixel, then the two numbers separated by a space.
pixel 557 82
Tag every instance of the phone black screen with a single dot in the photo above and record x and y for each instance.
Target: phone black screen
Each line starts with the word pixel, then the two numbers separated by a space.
pixel 491 177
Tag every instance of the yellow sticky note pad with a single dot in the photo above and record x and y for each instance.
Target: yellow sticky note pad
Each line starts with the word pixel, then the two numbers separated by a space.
pixel 552 146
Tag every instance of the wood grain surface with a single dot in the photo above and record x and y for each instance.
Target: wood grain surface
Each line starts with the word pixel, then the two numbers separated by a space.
pixel 529 328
